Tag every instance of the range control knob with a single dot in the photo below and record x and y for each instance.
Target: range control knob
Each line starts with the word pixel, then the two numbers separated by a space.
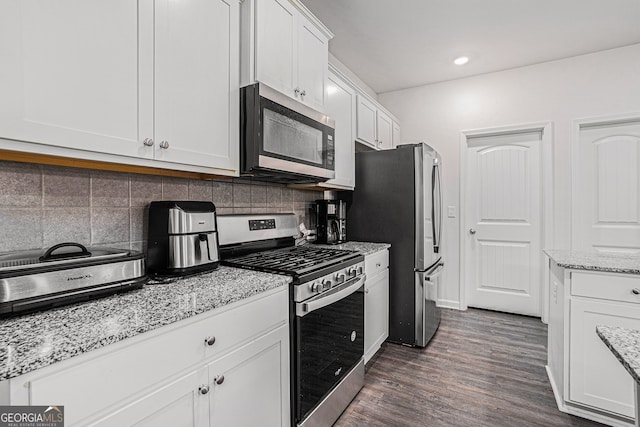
pixel 352 272
pixel 326 285
pixel 316 287
pixel 340 278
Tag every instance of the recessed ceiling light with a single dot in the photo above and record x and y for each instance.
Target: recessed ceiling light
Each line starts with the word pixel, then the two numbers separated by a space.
pixel 461 60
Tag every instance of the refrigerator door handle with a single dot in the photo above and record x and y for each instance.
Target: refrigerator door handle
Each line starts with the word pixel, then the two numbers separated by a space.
pixel 435 272
pixel 436 207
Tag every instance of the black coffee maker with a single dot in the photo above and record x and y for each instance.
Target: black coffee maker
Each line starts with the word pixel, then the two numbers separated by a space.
pixel 331 221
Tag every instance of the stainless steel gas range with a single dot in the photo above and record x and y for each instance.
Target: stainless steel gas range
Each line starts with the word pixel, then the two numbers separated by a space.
pixel 326 310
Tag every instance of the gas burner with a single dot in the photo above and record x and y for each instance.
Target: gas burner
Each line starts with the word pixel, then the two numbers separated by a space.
pixel 293 261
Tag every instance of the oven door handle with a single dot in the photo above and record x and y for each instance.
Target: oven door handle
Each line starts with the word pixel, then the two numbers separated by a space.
pixel 336 294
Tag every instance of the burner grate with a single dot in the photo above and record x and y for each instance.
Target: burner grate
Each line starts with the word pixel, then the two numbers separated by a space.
pixel 295 261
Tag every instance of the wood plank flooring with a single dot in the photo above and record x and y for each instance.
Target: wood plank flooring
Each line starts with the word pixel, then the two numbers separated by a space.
pixel 482 368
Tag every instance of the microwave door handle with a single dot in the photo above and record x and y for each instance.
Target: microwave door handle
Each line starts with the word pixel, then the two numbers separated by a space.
pixel 323 300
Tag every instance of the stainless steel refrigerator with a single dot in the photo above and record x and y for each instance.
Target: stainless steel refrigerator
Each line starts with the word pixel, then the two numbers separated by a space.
pixel 398 200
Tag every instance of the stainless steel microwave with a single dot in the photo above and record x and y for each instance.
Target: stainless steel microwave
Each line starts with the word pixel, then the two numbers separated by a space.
pixel 283 140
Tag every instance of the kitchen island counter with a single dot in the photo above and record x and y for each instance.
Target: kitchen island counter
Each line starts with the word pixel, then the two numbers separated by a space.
pixel 365 248
pixel 583 260
pixel 33 341
pixel 624 343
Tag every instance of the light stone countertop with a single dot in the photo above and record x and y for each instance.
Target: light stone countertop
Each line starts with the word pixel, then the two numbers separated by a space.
pixel 625 345
pixel 365 248
pixel 609 262
pixel 33 341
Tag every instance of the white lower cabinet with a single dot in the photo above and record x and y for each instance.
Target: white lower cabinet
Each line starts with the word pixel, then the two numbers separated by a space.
pixel 376 302
pixel 229 366
pixel 250 386
pixel 596 377
pixel 176 403
pixel 587 379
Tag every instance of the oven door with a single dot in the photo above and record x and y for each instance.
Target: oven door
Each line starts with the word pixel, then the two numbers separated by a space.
pixel 329 342
pixel 281 135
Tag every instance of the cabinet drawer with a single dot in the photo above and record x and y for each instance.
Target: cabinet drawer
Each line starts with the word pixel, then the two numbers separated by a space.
pixel 375 263
pixel 615 287
pixel 117 375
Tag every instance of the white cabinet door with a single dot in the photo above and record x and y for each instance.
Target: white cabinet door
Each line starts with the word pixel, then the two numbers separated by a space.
pixel 313 59
pixel 376 313
pixel 396 134
pixel 385 131
pixel 177 403
pixel 251 384
pixel 366 121
pixel 341 106
pixel 276 45
pixel 69 74
pixel 596 377
pixel 196 57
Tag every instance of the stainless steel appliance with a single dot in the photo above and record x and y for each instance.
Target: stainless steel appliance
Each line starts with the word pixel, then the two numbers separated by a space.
pixel 398 199
pixel 326 310
pixel 331 221
pixel 65 273
pixel 183 238
pixel 282 139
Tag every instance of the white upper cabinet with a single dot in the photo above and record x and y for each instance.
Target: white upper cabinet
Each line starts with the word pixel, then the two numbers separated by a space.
pixel 122 81
pixel 285 47
pixel 196 82
pixel 396 135
pixel 341 106
pixel 385 131
pixel 366 127
pixel 69 74
pixel 375 127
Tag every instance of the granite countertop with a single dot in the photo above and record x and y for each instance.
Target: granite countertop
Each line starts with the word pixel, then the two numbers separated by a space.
pixel 582 260
pixel 33 341
pixel 625 345
pixel 365 248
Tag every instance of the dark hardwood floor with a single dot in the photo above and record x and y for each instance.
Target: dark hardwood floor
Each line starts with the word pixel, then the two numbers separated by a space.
pixel 482 368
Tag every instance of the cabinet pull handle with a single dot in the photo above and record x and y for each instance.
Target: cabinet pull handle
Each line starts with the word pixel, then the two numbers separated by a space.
pixel 210 340
pixel 635 291
pixel 219 379
pixel 148 142
pixel 164 144
pixel 204 389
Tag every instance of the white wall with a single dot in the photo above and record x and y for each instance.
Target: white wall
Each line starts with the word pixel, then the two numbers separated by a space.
pixel 600 84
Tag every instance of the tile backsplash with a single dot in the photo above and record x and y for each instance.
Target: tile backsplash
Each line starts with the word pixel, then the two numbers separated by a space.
pixel 44 205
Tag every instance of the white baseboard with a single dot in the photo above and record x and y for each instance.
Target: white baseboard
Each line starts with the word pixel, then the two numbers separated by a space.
pixel 448 303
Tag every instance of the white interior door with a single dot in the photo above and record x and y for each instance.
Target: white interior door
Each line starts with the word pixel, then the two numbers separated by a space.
pixel 606 188
pixel 503 217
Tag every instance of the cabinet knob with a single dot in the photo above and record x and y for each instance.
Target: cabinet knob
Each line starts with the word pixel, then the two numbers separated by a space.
pixel 297 91
pixel 164 144
pixel 148 142
pixel 219 379
pixel 472 231
pixel 210 340
pixel 378 265
pixel 303 94
pixel 204 389
pixel 635 291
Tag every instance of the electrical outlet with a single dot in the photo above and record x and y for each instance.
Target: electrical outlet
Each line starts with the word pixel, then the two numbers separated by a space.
pixel 451 211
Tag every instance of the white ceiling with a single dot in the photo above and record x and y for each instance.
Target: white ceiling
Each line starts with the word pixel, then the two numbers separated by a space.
pixel 396 44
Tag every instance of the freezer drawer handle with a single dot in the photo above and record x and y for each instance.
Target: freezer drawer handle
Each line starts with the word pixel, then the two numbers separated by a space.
pixel 329 298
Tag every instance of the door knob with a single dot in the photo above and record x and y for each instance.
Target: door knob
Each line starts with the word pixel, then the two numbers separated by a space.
pixel 472 230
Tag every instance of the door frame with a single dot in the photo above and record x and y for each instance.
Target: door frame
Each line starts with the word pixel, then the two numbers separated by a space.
pixel 546 164
pixel 576 126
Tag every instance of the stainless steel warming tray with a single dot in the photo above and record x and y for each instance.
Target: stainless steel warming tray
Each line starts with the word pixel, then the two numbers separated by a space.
pixel 65 273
